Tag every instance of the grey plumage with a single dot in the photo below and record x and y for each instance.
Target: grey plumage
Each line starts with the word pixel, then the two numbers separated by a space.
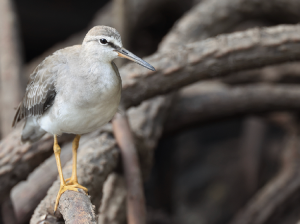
pixel 76 89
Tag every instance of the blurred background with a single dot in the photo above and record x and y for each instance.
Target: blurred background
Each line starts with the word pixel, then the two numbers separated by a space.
pixel 234 167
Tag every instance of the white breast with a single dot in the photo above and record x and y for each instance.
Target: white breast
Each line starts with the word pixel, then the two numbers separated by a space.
pixel 84 105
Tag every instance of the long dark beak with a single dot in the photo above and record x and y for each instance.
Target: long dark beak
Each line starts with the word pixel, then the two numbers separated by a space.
pixel 123 53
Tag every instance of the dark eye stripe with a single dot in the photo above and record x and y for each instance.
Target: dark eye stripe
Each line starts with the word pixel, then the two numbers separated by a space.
pixel 112 45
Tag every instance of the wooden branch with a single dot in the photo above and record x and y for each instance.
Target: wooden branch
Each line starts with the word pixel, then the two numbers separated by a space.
pixel 97 157
pixel 136 210
pixel 283 73
pixel 10 65
pixel 212 17
pixel 207 101
pixel 210 58
pixel 77 208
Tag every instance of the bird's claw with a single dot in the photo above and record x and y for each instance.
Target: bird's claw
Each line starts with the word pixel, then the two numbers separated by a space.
pixel 70 187
pixel 74 183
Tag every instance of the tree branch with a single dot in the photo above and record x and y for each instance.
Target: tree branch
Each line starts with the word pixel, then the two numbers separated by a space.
pixel 136 210
pixel 206 101
pixel 283 73
pixel 210 58
pixel 212 17
pixel 77 208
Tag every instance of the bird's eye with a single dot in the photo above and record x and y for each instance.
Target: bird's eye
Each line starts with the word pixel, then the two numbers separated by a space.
pixel 103 41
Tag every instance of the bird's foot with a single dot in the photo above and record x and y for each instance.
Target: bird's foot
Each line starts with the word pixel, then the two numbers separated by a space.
pixel 64 188
pixel 73 182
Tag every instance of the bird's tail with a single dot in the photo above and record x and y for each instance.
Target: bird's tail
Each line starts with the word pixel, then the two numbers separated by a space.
pixel 32 131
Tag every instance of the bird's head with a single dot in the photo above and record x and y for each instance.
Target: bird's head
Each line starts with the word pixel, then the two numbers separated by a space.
pixel 106 41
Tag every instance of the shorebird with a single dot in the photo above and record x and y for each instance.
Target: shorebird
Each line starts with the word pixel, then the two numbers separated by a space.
pixel 75 90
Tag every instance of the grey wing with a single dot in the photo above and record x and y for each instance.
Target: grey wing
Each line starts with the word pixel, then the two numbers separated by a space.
pixel 40 91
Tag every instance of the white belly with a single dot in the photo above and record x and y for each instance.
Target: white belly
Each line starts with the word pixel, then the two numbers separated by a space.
pixel 70 118
pixel 83 102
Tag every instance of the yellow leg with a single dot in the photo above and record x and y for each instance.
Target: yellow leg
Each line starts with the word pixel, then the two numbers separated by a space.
pixel 73 180
pixel 63 185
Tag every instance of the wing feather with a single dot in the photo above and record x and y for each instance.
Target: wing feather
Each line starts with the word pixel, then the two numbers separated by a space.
pixel 40 91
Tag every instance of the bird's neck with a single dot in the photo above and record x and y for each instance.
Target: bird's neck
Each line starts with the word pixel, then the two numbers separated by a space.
pixel 90 56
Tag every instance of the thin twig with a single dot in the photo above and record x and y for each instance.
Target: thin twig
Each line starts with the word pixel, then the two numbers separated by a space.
pixel 136 210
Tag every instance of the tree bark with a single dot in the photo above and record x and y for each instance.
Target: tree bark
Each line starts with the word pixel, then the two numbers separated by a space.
pixel 77 208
